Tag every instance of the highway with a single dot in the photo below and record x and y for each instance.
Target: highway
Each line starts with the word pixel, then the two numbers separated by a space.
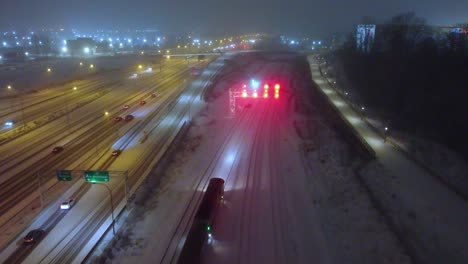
pixel 87 134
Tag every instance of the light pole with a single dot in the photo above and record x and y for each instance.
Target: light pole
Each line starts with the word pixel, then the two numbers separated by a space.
pixel 112 204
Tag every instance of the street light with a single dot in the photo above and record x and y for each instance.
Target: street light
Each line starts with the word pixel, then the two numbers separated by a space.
pixel 81 64
pixel 49 69
pixel 91 66
pixel 74 88
pixel 140 66
pixel 106 113
pixel 9 87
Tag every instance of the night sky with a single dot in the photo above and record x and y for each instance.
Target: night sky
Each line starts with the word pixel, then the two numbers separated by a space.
pixel 316 17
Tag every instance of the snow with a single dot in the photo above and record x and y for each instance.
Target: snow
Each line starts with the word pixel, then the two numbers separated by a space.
pixel 289 198
pixel 63 70
pixel 427 215
pixel 42 134
pixel 450 166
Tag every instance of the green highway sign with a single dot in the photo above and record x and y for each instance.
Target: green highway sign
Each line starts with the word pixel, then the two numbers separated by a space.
pixel 97 176
pixel 64 175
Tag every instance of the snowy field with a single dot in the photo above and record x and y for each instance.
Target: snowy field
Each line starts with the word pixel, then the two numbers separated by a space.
pixel 292 195
pixel 62 70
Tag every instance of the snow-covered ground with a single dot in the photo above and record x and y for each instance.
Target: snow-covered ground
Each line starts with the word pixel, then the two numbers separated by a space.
pixel 62 70
pixel 430 219
pixel 449 165
pixel 291 194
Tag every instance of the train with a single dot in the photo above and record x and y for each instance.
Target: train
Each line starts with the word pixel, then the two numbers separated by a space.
pixel 201 229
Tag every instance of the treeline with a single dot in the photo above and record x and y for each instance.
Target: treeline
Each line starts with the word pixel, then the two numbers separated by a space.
pixel 415 73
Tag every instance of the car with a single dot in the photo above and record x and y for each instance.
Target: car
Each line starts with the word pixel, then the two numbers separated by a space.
pixel 129 118
pixel 67 204
pixel 116 152
pixel 126 107
pixel 142 102
pixel 153 95
pixel 118 118
pixel 33 236
pixel 57 149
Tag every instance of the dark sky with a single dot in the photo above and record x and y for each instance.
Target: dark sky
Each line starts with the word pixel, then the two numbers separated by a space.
pixel 316 17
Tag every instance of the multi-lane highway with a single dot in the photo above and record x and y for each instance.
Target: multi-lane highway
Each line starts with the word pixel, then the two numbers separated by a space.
pixel 75 119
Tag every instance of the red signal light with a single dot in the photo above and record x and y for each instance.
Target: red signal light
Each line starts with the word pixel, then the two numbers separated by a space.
pixel 244 93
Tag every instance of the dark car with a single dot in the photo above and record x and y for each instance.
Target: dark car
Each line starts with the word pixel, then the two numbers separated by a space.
pixel 116 152
pixel 33 236
pixel 142 102
pixel 153 95
pixel 126 107
pixel 57 149
pixel 118 118
pixel 129 118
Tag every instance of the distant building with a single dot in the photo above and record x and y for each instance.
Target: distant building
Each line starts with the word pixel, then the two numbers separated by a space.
pixel 81 47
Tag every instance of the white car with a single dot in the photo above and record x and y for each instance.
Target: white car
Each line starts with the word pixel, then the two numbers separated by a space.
pixel 67 204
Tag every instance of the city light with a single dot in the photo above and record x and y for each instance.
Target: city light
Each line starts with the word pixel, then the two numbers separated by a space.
pixel 140 66
pixel 91 66
pixel 86 50
pixel 81 64
pixel 106 113
pixel 49 69
pixel 64 49
pixel 74 88
pixel 254 84
pixel 9 87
